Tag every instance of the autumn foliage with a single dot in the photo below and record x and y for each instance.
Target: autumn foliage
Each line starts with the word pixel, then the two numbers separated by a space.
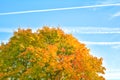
pixel 47 54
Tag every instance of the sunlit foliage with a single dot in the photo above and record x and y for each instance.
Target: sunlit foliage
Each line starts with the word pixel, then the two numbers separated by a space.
pixel 47 54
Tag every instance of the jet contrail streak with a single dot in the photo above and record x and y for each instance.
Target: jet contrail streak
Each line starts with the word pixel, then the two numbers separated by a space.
pixel 116 14
pixel 91 30
pixel 59 9
pixel 78 30
pixel 100 43
pixel 112 76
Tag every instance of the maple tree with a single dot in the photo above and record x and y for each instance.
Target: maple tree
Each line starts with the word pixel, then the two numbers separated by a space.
pixel 47 54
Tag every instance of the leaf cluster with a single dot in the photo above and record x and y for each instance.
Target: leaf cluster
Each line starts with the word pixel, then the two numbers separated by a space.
pixel 47 54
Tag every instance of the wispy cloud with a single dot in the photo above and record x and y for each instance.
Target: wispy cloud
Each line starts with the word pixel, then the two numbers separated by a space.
pixel 59 9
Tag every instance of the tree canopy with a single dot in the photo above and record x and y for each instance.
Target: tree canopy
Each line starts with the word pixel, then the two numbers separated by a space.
pixel 47 54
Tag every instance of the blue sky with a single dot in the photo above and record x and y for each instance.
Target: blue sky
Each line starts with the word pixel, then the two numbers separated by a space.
pixel 94 22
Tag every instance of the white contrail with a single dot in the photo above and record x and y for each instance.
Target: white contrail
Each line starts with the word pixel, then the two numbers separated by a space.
pixel 110 70
pixel 91 30
pixel 112 75
pixel 6 30
pixel 116 14
pixel 78 30
pixel 100 43
pixel 116 47
pixel 59 9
